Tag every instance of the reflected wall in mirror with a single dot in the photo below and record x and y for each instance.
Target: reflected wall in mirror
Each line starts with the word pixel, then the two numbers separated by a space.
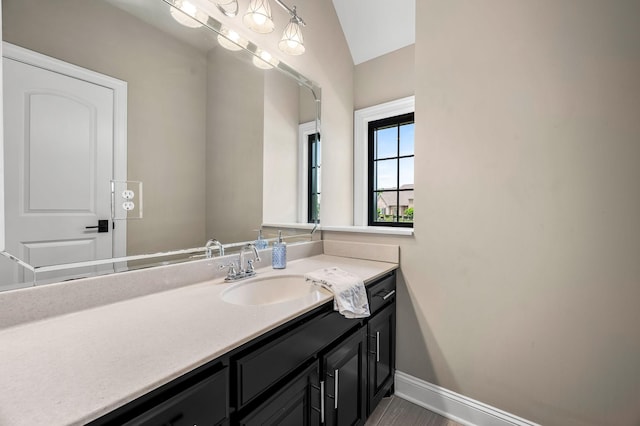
pixel 213 138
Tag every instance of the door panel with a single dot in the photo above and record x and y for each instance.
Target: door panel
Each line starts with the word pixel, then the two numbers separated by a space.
pixel 58 170
pixel 56 126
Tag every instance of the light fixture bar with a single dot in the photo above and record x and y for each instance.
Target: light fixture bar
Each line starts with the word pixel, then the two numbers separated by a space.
pixel 292 12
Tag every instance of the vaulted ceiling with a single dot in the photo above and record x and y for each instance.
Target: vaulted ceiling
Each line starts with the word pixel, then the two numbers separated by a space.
pixel 376 27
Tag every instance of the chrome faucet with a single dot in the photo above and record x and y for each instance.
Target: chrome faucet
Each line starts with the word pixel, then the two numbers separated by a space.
pixel 241 272
pixel 256 258
pixel 212 244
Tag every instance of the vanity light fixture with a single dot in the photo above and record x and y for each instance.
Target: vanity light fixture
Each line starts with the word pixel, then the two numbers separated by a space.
pixel 185 13
pixel 292 41
pixel 258 18
pixel 227 7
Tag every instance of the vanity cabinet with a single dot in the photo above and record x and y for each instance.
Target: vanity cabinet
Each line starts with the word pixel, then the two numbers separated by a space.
pixel 381 340
pixel 198 398
pixel 320 369
pixel 352 366
pixel 345 382
pixel 296 404
pixel 204 403
pixel 268 360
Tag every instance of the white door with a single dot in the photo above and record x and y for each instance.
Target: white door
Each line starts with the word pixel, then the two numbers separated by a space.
pixel 58 140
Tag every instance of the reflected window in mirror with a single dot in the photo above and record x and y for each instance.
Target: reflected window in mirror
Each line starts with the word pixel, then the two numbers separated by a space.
pixel 313 178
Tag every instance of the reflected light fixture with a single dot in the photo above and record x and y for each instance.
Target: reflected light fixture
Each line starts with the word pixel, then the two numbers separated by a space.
pixel 263 60
pixel 258 17
pixel 185 13
pixel 227 7
pixel 231 40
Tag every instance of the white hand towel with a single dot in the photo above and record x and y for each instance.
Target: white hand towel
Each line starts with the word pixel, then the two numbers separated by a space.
pixel 349 294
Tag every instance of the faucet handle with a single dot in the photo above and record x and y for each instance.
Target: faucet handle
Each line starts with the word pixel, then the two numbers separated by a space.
pixel 232 273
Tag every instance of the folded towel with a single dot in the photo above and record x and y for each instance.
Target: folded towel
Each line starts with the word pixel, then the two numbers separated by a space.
pixel 349 295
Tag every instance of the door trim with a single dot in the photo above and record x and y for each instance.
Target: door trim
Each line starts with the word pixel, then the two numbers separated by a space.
pixel 119 88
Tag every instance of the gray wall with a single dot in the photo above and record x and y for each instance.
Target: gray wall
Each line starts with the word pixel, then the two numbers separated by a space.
pixel 234 148
pixel 280 183
pixel 530 203
pixel 385 78
pixel 520 287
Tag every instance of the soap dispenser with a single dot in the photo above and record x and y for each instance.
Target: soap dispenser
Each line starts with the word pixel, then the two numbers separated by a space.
pixel 261 243
pixel 279 253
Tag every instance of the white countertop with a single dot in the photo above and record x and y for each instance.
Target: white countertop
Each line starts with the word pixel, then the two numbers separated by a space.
pixel 74 368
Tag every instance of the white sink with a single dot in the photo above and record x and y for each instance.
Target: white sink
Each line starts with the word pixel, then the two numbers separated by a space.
pixel 273 289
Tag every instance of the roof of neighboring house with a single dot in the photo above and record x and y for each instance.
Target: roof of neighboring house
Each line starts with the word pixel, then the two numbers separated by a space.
pixel 389 198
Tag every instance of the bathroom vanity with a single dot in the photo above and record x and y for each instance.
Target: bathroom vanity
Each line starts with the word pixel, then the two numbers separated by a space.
pixel 317 368
pixel 185 356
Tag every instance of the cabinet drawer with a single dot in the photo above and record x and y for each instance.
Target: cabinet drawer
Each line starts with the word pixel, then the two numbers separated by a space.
pixel 204 403
pixel 381 293
pixel 296 403
pixel 266 365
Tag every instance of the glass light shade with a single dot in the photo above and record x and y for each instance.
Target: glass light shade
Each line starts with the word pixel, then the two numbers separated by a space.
pixel 227 7
pixel 263 61
pixel 258 17
pixel 231 40
pixel 185 13
pixel 292 41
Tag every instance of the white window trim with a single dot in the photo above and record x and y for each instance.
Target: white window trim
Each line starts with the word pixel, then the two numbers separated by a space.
pixel 362 117
pixel 304 130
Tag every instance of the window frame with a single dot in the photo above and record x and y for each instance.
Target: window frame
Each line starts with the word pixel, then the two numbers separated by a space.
pixel 396 122
pixel 362 117
pixel 304 131
pixel 313 138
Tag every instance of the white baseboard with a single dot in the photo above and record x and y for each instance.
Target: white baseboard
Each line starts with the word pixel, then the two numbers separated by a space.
pixel 451 405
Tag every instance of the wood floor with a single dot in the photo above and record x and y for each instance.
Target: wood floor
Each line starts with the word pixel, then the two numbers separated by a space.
pixel 396 411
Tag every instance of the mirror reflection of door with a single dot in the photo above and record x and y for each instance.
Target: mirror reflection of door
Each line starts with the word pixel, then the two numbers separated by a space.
pixel 59 135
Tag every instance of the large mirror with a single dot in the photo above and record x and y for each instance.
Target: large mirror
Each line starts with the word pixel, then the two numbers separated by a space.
pixel 101 95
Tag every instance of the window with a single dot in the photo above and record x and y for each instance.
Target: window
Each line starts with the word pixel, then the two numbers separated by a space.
pixel 313 179
pixel 309 172
pixel 390 168
pixel 361 187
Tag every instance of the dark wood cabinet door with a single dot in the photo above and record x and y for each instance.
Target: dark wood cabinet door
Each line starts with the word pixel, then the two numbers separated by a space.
pixel 204 403
pixel 296 404
pixel 381 340
pixel 344 377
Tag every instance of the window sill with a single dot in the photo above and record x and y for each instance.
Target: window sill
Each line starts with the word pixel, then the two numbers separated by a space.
pixel 291 225
pixel 381 230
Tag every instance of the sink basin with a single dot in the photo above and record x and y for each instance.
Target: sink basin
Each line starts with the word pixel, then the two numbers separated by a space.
pixel 271 290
